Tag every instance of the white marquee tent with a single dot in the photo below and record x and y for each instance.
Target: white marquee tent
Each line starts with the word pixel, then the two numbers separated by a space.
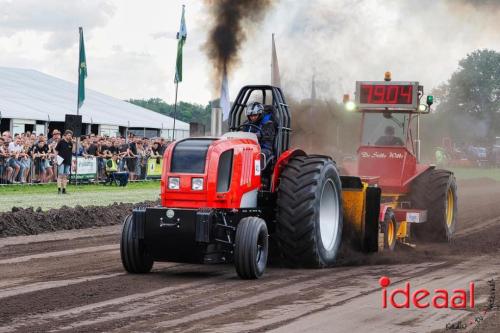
pixel 31 97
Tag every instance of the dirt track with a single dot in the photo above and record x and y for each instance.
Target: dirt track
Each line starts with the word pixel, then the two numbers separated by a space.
pixel 73 281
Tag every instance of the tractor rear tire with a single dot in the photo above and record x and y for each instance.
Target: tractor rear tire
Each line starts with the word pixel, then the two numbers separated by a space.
pixel 251 248
pixel 390 231
pixel 436 191
pixel 135 258
pixel 309 217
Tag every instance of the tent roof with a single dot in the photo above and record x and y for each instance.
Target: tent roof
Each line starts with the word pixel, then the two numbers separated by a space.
pixel 30 94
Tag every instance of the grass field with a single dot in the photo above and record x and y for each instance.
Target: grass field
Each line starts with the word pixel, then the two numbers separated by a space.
pixel 472 173
pixel 45 196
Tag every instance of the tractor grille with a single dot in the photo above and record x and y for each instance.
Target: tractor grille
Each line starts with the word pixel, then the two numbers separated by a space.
pixel 189 156
pixel 247 167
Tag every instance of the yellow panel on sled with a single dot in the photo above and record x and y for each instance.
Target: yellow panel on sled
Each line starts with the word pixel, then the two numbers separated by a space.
pixel 361 205
pixel 353 201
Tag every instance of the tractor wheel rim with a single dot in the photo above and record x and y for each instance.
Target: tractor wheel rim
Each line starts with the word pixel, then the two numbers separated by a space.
pixel 329 215
pixel 450 203
pixel 259 253
pixel 390 233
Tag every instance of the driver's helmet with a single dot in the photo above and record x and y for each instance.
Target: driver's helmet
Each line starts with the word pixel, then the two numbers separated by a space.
pixel 254 108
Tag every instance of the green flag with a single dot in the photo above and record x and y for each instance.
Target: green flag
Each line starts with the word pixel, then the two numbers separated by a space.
pixel 181 36
pixel 82 71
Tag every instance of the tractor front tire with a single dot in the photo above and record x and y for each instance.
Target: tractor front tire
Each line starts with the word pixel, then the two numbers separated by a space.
pixel 436 191
pixel 135 258
pixel 251 248
pixel 309 217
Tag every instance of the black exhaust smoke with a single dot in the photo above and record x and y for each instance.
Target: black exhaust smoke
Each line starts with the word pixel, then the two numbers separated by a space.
pixel 230 24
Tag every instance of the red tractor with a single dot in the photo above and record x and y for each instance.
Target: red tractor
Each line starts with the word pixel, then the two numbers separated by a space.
pixel 221 200
pixel 414 195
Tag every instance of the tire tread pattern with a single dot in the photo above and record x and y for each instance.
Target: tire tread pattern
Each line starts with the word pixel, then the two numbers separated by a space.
pixel 133 255
pixel 245 250
pixel 297 195
pixel 429 191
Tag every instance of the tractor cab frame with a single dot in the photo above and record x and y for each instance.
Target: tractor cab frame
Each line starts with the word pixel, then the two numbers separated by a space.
pixel 274 103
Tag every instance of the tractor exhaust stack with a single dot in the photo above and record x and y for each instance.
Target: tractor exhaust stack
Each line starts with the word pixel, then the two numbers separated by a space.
pixel 216 123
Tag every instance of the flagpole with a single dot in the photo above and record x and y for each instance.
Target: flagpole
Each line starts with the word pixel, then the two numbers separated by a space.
pixel 181 37
pixel 175 107
pixel 78 71
pixel 77 110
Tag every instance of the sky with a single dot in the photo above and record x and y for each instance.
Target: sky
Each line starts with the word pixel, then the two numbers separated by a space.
pixel 131 45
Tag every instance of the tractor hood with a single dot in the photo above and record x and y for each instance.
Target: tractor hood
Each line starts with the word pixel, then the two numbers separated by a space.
pixel 211 172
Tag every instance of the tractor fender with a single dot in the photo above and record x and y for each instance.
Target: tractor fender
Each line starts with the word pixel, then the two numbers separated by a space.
pixel 420 170
pixel 281 162
pixel 383 210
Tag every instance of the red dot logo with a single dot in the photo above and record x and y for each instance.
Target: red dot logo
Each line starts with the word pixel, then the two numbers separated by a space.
pixel 384 281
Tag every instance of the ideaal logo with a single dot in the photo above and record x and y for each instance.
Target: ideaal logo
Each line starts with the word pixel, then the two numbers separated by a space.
pixel 423 298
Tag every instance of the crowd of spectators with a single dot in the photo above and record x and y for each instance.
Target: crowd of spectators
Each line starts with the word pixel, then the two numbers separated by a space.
pixel 28 157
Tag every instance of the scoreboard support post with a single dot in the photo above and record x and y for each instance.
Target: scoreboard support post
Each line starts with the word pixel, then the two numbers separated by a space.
pixel 417 142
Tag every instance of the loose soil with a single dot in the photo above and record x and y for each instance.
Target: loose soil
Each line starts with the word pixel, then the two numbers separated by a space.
pixel 29 221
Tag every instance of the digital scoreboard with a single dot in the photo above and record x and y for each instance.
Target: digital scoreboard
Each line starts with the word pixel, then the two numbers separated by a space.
pixel 387 95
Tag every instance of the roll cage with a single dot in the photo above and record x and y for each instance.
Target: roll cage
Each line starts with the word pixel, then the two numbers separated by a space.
pixel 276 106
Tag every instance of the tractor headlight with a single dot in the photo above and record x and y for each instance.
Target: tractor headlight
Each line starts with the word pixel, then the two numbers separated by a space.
pixel 197 184
pixel 174 183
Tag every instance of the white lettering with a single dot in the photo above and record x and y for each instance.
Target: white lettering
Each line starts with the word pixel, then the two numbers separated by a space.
pixel 382 155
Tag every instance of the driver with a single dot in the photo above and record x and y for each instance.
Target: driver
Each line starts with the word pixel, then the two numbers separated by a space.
pixel 389 139
pixel 263 128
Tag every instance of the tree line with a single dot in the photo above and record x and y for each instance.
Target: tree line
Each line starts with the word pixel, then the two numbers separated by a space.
pixel 468 104
pixel 186 112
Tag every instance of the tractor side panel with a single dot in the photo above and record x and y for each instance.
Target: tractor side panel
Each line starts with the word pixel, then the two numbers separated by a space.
pixel 393 166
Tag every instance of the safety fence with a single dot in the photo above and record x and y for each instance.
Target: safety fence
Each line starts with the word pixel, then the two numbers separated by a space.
pixel 83 169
